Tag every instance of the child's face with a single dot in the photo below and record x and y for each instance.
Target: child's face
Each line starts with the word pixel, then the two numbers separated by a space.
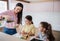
pixel 42 29
pixel 27 21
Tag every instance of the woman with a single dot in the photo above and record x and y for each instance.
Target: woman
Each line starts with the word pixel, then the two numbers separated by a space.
pixel 16 16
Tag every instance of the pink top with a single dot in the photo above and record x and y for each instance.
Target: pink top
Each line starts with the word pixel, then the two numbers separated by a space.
pixel 13 17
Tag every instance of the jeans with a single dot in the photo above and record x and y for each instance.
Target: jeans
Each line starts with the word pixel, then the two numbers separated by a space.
pixel 9 31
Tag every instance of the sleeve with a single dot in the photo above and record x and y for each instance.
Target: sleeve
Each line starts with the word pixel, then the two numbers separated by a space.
pixel 4 13
pixel 33 29
pixel 38 35
pixel 45 38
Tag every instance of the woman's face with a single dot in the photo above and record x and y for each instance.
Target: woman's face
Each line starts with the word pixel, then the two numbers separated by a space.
pixel 27 21
pixel 17 9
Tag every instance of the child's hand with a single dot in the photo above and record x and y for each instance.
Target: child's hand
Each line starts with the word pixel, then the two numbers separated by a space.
pixel 23 33
pixel 30 33
pixel 37 37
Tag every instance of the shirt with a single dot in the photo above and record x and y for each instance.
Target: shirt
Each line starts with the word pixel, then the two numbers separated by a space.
pixel 42 36
pixel 29 28
pixel 12 17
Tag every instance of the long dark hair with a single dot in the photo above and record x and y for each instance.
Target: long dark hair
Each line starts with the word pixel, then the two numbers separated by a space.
pixel 19 15
pixel 48 31
pixel 29 18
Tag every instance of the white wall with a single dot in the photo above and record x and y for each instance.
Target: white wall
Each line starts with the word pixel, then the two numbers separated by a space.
pixel 3 6
pixel 44 11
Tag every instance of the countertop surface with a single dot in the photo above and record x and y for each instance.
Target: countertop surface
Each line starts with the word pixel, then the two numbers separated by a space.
pixel 6 37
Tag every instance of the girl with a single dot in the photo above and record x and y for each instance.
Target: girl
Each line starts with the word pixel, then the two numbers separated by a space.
pixel 45 33
pixel 28 28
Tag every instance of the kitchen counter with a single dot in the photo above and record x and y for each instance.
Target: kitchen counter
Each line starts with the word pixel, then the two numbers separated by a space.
pixel 6 37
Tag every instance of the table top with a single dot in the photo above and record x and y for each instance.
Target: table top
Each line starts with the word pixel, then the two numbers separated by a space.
pixel 6 37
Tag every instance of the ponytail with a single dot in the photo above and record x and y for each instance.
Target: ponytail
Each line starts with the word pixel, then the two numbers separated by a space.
pixel 49 33
pixel 32 22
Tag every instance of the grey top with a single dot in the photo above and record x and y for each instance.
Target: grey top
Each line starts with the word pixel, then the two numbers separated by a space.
pixel 42 36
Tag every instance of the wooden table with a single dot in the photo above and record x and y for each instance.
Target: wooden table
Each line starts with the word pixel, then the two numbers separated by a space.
pixel 6 37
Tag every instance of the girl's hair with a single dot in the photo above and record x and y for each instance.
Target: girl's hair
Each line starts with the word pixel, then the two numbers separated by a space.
pixel 28 17
pixel 19 15
pixel 48 31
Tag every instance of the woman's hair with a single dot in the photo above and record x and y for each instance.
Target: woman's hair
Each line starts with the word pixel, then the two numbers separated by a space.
pixel 48 31
pixel 28 17
pixel 19 15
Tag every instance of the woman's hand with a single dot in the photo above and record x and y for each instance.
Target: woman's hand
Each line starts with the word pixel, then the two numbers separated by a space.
pixel 0 17
pixel 17 25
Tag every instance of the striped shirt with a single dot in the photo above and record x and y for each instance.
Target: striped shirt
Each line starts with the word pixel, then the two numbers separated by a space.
pixel 12 17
